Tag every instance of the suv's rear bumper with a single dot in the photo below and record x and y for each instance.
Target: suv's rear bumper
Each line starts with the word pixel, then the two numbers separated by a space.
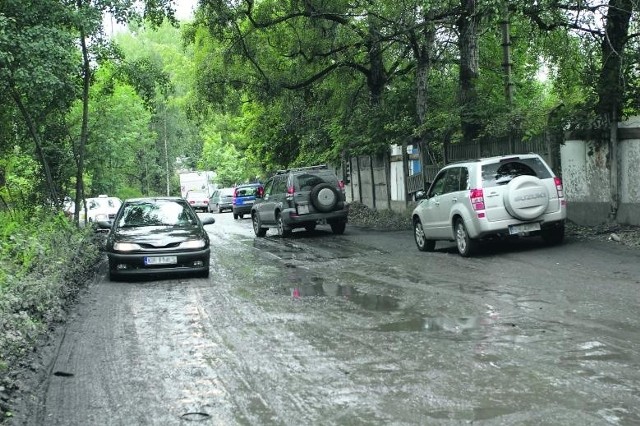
pixel 482 228
pixel 292 219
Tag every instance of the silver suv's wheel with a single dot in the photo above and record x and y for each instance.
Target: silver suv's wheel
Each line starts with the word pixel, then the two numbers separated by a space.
pixel 466 245
pixel 421 240
pixel 553 236
pixel 257 226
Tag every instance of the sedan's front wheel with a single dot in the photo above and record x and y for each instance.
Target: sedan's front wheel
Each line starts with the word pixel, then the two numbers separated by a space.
pixel 421 240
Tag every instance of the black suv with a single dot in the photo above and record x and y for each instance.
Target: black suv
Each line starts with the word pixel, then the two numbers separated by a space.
pixel 300 198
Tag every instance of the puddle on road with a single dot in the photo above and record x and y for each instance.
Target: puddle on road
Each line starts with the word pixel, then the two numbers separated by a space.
pixel 372 302
pixel 321 250
pixel 441 324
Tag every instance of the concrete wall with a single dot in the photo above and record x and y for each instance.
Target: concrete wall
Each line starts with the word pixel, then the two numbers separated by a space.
pixel 629 210
pixel 368 182
pixel 586 174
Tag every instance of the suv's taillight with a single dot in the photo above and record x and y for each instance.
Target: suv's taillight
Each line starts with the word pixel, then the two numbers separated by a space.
pixel 290 192
pixel 477 199
pixel 341 185
pixel 235 192
pixel 559 187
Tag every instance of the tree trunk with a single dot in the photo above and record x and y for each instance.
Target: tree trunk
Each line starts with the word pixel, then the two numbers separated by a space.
pixel 376 79
pixel 423 52
pixel 610 82
pixel 84 130
pixel 468 74
pixel 33 129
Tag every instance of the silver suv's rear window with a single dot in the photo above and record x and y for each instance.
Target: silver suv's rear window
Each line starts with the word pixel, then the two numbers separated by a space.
pixel 503 172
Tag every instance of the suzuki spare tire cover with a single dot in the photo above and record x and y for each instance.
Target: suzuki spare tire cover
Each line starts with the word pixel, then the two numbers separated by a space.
pixel 526 197
pixel 324 197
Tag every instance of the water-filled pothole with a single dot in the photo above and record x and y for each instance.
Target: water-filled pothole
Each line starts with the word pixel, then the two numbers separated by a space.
pixel 373 302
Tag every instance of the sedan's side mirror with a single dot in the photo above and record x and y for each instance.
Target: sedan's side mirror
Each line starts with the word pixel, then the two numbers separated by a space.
pixel 104 224
pixel 207 219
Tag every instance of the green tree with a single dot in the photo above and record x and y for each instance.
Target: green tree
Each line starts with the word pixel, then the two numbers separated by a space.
pixel 38 60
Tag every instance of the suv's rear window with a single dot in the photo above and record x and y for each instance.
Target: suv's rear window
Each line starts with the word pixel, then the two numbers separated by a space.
pixel 502 173
pixel 306 181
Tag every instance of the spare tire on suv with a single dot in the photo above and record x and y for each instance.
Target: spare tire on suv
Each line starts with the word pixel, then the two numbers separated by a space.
pixel 324 197
pixel 526 197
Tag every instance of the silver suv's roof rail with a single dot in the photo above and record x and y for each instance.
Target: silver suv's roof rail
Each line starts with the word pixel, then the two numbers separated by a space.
pixel 296 169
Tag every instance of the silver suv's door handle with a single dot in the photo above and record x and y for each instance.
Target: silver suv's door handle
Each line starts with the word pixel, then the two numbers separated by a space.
pixel 454 200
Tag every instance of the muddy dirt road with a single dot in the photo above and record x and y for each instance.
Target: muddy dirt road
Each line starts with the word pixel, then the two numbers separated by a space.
pixel 356 329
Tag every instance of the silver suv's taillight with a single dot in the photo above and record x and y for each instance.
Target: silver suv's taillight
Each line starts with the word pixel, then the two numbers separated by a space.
pixel 477 199
pixel 559 187
pixel 290 193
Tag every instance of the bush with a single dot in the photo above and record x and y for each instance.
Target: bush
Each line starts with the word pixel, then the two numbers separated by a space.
pixel 44 261
pixel 361 215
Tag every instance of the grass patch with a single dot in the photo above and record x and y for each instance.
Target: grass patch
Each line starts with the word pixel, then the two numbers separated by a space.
pixel 44 261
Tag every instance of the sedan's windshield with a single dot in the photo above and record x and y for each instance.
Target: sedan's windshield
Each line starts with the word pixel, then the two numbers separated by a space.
pixel 156 213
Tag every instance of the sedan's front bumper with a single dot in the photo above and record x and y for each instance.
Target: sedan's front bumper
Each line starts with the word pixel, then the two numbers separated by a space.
pixel 131 264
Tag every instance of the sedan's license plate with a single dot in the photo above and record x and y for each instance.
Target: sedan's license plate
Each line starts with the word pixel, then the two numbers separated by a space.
pixel 303 209
pixel 525 227
pixel 160 260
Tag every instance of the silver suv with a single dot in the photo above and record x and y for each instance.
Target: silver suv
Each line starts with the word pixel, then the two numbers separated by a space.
pixel 491 197
pixel 300 198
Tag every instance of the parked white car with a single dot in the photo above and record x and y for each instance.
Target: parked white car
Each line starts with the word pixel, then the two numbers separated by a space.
pixel 491 197
pixel 102 207
pixel 198 200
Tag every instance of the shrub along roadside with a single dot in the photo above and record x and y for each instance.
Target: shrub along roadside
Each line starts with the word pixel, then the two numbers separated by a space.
pixel 44 261
pixel 389 220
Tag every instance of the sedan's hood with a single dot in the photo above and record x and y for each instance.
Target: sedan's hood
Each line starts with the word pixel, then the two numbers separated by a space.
pixel 158 236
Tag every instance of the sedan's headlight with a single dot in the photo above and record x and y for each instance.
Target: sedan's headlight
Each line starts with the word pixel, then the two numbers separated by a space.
pixel 102 217
pixel 126 246
pixel 193 244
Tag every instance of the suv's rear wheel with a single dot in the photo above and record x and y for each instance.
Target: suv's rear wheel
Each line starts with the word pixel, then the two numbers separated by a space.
pixel 421 240
pixel 338 227
pixel 283 231
pixel 466 245
pixel 324 197
pixel 553 236
pixel 257 226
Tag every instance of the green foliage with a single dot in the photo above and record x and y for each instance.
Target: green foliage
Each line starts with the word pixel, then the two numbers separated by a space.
pixel 121 150
pixel 22 176
pixel 44 260
pixel 221 152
